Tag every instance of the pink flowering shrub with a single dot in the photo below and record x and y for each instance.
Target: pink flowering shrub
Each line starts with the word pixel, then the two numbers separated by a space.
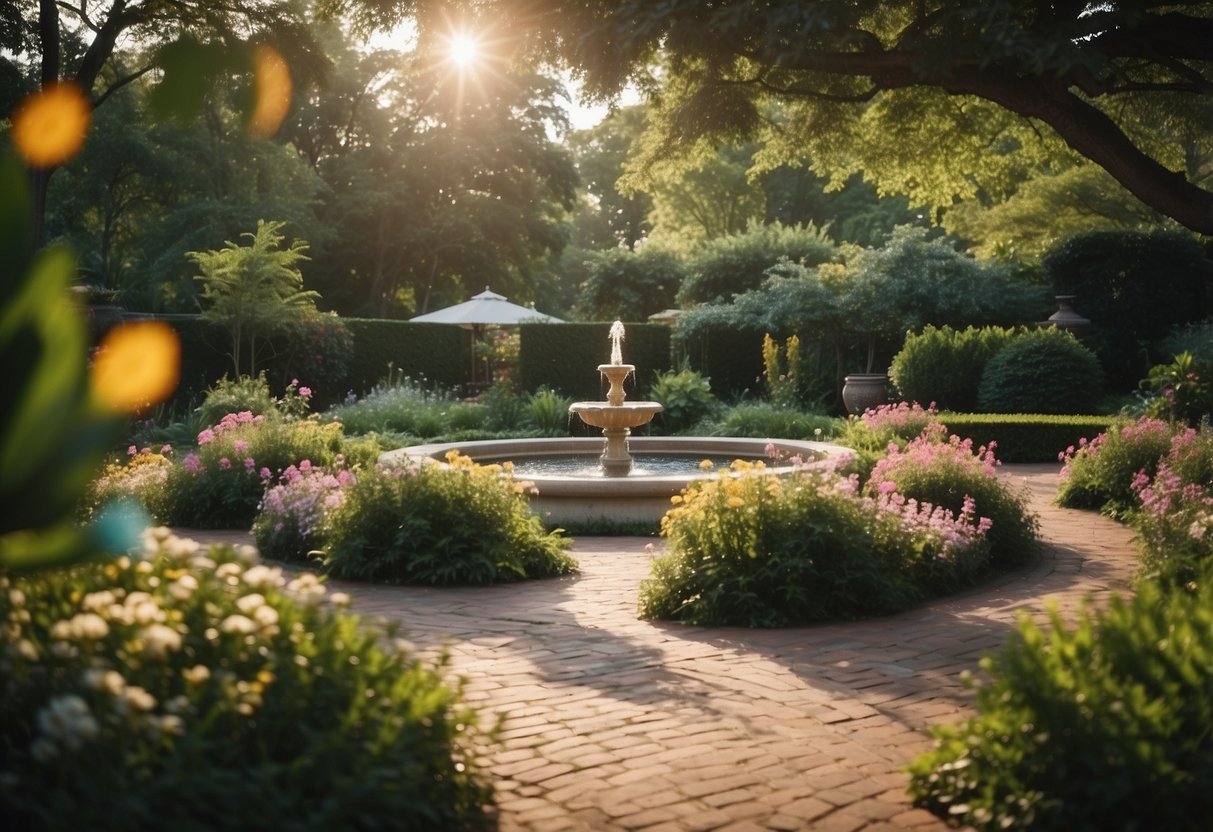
pixel 1099 474
pixel 947 471
pixel 1174 518
pixel 221 484
pixel 871 434
pixel 293 516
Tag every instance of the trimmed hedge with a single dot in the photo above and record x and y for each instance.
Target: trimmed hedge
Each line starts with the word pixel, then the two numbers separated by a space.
pixel 565 357
pixel 436 352
pixel 730 357
pixel 1025 437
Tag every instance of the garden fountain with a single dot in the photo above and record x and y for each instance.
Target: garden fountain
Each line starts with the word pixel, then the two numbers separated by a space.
pixel 615 492
pixel 615 416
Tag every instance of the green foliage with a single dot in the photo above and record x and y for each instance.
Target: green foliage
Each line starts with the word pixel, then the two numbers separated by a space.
pixel 1099 474
pixel 435 352
pixel 1105 725
pixel 1041 371
pixel 197 688
pixel 686 398
pixel 1180 391
pixel 565 357
pixel 53 437
pixel 1194 338
pixel 255 290
pixel 221 485
pixel 245 393
pixel 1134 287
pixel 1175 513
pixel 398 407
pixel 1025 437
pixel 320 353
pixel 729 265
pixel 759 551
pixel 766 420
pixel 944 366
pixel 462 524
pixel 626 285
pixel 549 412
pixel 504 409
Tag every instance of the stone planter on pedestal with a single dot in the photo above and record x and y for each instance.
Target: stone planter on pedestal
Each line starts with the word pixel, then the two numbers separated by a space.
pixel 861 391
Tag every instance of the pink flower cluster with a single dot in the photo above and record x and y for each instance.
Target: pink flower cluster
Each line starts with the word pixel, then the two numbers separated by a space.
pixel 229 422
pixel 304 497
pixel 903 418
pixel 951 532
pixel 930 450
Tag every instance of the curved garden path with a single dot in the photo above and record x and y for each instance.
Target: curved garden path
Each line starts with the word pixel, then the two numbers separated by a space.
pixel 610 722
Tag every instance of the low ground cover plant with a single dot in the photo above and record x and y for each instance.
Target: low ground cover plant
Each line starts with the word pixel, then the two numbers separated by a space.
pixel 767 420
pixel 1106 725
pixel 197 688
pixel 460 524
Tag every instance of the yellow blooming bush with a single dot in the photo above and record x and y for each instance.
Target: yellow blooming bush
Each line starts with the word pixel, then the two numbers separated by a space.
pixel 198 688
pixel 750 549
pixel 461 523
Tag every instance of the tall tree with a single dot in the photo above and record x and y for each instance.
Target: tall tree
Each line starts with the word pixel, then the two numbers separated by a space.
pixel 908 84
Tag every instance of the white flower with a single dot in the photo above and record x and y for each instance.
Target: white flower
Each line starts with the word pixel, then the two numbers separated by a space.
pixel 238 624
pixel 99 601
pixel 26 650
pixel 228 570
pixel 247 554
pixel 82 626
pixel 67 721
pixel 139 699
pixel 159 640
pixel 340 599
pixel 250 603
pixel 265 615
pixel 263 577
pixel 43 750
pixel 307 588
pixel 106 681
pixel 182 588
pixel 197 674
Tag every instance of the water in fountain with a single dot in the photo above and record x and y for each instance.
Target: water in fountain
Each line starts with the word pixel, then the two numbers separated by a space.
pixel 616 416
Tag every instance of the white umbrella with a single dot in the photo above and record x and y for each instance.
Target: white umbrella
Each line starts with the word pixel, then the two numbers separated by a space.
pixel 488 307
pixel 485 309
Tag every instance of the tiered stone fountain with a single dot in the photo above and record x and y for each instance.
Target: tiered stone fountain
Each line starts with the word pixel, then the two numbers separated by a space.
pixel 616 416
pixel 613 491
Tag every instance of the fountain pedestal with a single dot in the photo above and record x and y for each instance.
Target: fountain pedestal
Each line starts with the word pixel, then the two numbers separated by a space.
pixel 616 417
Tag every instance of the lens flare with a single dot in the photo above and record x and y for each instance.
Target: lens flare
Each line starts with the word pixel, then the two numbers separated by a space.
pixel 136 365
pixel 271 89
pixel 49 126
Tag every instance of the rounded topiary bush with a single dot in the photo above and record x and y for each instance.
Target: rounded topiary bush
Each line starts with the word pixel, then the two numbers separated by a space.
pixel 1042 371
pixel 1106 725
pixel 457 524
pixel 194 688
pixel 945 365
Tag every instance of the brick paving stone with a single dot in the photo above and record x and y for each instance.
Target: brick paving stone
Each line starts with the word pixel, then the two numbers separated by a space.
pixel 609 721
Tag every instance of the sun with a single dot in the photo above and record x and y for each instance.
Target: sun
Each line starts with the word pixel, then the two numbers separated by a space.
pixel 463 49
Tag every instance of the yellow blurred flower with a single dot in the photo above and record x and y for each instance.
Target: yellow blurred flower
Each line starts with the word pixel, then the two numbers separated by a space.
pixel 271 90
pixel 49 126
pixel 137 365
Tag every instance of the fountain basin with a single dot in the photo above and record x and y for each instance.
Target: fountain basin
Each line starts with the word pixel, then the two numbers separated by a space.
pixel 589 500
pixel 609 416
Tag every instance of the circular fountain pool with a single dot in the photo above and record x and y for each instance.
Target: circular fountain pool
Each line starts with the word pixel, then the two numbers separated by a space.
pixel 573 492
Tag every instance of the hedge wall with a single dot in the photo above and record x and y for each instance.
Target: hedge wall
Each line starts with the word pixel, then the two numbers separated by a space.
pixel 565 357
pixel 1025 437
pixel 730 357
pixel 437 352
pixel 204 358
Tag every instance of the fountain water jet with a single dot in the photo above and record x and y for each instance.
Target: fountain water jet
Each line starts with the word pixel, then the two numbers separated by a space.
pixel 616 416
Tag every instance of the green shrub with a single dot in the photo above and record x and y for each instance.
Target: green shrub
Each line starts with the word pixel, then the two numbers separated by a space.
pixel 1181 390
pixel 504 410
pixel 393 407
pixel 463 524
pixel 1108 725
pixel 292 520
pixel 944 366
pixel 1022 437
pixel 221 484
pixel 437 353
pixel 763 420
pixel 143 478
pixel 246 393
pixel 946 471
pixel 549 412
pixel 1043 371
pixel 759 551
pixel 686 398
pixel 1194 338
pixel 320 352
pixel 196 689
pixel 1099 474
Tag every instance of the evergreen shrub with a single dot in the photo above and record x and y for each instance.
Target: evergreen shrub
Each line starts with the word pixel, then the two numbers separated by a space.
pixel 1099 474
pixel 943 366
pixel 686 398
pixel 1041 371
pixel 1106 725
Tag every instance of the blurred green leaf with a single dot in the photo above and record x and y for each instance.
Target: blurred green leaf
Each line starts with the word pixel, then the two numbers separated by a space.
pixel 191 70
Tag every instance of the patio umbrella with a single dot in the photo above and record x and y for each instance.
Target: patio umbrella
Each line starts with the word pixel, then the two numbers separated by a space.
pixel 488 307
pixel 485 309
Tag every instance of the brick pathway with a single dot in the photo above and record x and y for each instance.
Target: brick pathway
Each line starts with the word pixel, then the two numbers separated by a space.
pixel 610 722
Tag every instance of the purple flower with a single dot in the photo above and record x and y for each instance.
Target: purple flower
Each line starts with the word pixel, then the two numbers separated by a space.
pixel 193 464
pixel 225 463
pixel 206 437
pixel 305 392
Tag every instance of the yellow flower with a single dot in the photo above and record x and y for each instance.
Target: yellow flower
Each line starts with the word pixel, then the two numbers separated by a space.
pixel 49 126
pixel 706 465
pixel 272 89
pixel 736 502
pixel 137 365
